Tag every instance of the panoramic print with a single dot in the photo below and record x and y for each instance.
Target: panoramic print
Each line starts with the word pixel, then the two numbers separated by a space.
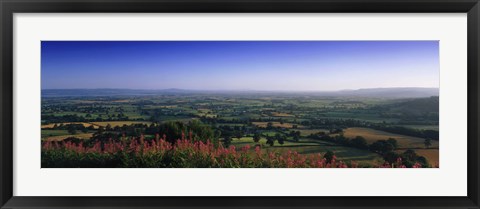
pixel 240 104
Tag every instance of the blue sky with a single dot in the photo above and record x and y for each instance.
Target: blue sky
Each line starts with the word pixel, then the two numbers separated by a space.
pixel 239 65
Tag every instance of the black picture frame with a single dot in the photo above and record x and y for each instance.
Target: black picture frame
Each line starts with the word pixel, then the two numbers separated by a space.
pixel 9 7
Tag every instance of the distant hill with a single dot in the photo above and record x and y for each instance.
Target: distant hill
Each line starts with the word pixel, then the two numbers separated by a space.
pixel 372 93
pixel 413 107
pixel 392 92
pixel 107 92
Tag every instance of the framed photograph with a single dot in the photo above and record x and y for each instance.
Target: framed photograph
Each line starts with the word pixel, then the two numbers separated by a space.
pixel 239 104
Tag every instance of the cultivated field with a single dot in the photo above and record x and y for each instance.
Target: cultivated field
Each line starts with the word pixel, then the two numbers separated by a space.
pixel 404 142
pixel 62 137
pixel 51 125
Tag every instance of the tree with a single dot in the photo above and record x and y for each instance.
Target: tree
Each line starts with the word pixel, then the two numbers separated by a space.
pixel 381 147
pixel 239 134
pixel 227 141
pixel 359 142
pixel 409 157
pixel 295 135
pixel 393 142
pixel 256 137
pixel 270 140
pixel 296 138
pixel 280 138
pixel 329 156
pixel 100 129
pixel 428 143
pixel 199 131
pixel 71 130
pixel 391 157
pixel 336 130
pixel 423 161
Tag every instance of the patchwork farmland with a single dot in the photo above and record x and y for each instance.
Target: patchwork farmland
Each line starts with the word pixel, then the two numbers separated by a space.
pixel 367 131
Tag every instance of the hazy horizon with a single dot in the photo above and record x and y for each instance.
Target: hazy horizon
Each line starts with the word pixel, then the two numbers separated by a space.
pixel 239 65
pixel 241 89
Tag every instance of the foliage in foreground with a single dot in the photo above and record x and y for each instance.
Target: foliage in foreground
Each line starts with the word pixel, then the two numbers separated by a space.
pixel 183 153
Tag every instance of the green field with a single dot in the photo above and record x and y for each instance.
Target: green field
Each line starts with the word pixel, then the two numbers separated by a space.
pixel 307 146
pixel 50 133
pixel 422 127
pixel 120 123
